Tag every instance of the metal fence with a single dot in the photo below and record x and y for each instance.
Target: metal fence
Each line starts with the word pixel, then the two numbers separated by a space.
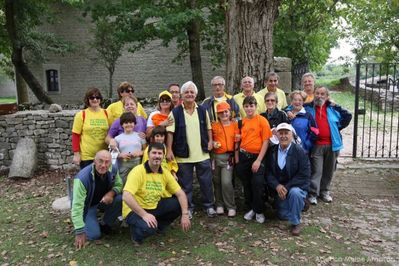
pixel 376 116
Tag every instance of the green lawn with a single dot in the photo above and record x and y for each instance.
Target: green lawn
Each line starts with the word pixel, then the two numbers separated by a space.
pixel 8 99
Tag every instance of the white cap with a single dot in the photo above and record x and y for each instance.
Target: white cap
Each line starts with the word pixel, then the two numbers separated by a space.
pixel 285 126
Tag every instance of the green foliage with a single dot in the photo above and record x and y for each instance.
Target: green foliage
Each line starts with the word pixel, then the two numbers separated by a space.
pixel 374 27
pixel 29 16
pixel 305 31
pixel 172 20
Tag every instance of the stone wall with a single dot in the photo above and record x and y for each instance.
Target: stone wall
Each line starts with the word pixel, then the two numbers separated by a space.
pixel 50 131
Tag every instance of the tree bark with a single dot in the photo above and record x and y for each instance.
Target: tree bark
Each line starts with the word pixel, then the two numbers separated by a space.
pixel 249 30
pixel 297 72
pixel 17 54
pixel 22 90
pixel 194 42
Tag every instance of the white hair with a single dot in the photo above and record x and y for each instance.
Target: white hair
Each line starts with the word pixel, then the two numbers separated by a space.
pixel 217 78
pixel 187 85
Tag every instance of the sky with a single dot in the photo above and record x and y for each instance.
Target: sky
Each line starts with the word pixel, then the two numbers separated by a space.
pixel 343 50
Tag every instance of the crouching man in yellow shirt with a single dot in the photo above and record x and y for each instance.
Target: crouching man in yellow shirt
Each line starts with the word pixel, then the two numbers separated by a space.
pixel 144 208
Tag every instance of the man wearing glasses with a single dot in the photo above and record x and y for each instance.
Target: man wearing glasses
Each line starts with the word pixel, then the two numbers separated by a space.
pixel 116 109
pixel 219 95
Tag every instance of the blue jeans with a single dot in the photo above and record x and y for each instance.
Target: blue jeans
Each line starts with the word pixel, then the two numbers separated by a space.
pixel 111 212
pixel 290 209
pixel 204 175
pixel 167 211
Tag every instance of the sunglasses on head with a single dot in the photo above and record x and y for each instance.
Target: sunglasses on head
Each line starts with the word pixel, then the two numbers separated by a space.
pixel 95 97
pixel 128 90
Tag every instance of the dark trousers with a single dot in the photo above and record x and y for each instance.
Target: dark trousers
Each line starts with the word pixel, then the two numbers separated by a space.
pixel 166 212
pixel 253 183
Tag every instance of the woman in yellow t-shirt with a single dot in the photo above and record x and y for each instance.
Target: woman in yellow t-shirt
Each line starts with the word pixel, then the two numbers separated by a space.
pixel 90 126
pixel 116 109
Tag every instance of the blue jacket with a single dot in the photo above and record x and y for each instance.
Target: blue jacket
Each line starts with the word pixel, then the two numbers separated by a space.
pixel 297 166
pixel 305 125
pixel 209 105
pixel 179 146
pixel 83 192
pixel 338 119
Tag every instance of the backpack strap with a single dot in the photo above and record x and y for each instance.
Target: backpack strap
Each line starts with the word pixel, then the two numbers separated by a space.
pixel 84 116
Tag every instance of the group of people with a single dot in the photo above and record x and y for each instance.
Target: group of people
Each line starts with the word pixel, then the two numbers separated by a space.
pixel 283 154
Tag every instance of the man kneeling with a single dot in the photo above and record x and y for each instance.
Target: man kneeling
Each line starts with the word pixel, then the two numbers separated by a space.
pixel 96 187
pixel 147 205
pixel 288 173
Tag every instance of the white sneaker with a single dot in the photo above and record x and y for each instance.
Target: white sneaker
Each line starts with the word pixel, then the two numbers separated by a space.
pixel 326 197
pixel 249 215
pixel 231 213
pixel 220 210
pixel 260 218
pixel 211 212
pixel 313 200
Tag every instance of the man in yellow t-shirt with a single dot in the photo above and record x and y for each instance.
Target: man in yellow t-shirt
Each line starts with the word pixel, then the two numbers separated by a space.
pixel 144 208
pixel 271 86
pixel 247 85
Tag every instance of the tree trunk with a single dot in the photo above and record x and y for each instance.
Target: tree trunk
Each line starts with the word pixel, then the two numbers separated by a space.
pixel 17 54
pixel 194 42
pixel 297 72
pixel 249 30
pixel 111 71
pixel 22 90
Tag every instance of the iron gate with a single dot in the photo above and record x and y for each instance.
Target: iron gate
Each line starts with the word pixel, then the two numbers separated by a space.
pixel 376 118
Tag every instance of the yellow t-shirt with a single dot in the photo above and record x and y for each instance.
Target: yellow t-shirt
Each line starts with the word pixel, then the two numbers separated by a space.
pixel 196 154
pixel 115 110
pixel 239 99
pixel 92 132
pixel 147 187
pixel 171 166
pixel 282 99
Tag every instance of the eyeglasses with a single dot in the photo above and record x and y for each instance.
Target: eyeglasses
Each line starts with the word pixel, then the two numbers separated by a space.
pixel 165 100
pixel 270 100
pixel 217 84
pixel 128 90
pixel 95 97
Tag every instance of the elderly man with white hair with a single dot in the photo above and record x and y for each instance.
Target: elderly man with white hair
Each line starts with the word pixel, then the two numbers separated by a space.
pixel 189 142
pixel 288 176
pixel 247 85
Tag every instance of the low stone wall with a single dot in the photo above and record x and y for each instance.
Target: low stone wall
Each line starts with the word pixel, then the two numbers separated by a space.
pixel 50 131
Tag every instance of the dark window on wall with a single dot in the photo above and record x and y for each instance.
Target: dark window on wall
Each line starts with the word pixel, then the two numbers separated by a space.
pixel 52 80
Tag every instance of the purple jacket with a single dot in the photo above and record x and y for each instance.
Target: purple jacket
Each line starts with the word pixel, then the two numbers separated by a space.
pixel 116 128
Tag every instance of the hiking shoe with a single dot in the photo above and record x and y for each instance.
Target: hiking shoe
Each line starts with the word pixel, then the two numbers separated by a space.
pixel 211 212
pixel 306 206
pixel 220 210
pixel 190 214
pixel 105 229
pixel 231 213
pixel 249 215
pixel 260 218
pixel 326 197
pixel 312 200
pixel 296 230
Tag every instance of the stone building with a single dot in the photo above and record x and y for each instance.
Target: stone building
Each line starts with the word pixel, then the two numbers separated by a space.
pixel 150 70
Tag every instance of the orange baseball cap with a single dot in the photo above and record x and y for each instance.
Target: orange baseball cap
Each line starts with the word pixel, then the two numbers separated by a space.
pixel 222 106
